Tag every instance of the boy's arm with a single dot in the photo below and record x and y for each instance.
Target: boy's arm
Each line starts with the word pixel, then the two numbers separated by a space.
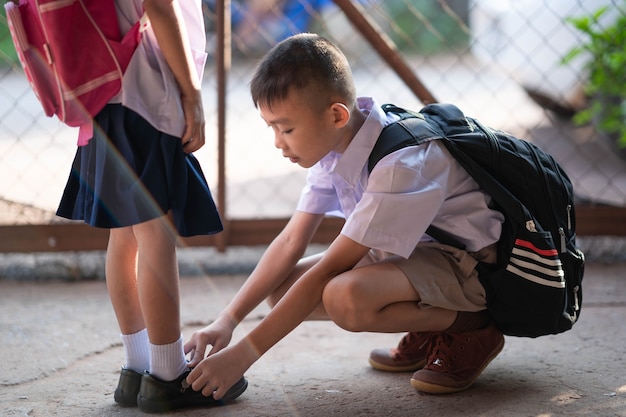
pixel 220 371
pixel 275 265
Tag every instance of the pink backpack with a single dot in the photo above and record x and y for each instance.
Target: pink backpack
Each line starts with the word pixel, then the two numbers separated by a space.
pixel 73 55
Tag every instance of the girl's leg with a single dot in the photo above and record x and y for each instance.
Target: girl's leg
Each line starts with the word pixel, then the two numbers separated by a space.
pixel 121 277
pixel 380 298
pixel 157 272
pixel 158 282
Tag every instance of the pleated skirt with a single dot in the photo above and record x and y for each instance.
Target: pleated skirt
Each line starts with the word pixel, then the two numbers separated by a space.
pixel 130 173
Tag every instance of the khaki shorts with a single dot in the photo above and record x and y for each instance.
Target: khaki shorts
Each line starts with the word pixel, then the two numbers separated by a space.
pixel 444 276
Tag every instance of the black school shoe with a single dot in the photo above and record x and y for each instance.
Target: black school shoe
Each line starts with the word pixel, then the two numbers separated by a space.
pixel 128 388
pixel 157 396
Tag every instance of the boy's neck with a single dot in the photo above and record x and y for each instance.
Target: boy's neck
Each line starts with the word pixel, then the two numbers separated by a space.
pixel 357 118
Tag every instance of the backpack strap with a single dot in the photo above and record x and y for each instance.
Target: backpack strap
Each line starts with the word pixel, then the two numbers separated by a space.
pixel 509 204
pixel 442 122
pixel 412 129
pixel 460 132
pixel 398 135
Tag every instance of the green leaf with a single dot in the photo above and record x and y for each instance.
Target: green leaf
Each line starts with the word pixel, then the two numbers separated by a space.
pixel 573 53
pixel 598 13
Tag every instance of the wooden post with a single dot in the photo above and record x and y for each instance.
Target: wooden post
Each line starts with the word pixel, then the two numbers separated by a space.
pixel 386 49
pixel 223 60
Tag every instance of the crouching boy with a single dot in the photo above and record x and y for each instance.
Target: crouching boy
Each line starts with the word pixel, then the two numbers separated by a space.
pixel 382 273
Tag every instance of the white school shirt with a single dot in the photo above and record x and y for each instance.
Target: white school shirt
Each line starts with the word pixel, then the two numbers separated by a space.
pixel 390 209
pixel 149 87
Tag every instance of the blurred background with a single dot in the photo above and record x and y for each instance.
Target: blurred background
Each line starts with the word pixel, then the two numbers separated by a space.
pixel 549 71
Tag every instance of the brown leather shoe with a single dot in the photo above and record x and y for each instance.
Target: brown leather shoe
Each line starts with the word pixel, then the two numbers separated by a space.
pixel 457 360
pixel 410 354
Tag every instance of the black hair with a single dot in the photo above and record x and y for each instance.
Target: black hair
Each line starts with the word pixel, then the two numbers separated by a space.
pixel 307 63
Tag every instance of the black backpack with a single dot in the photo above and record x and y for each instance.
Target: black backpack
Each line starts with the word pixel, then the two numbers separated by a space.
pixel 535 288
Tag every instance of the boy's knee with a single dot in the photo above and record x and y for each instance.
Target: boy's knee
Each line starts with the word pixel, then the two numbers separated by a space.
pixel 342 306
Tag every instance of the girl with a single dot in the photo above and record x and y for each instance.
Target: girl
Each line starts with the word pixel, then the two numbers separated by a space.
pixel 137 176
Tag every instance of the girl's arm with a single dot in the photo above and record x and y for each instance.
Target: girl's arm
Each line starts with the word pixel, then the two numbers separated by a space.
pixel 171 33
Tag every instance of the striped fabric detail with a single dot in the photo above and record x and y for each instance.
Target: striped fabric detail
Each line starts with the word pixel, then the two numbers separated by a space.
pixel 54 5
pixel 541 266
pixel 92 85
pixel 17 29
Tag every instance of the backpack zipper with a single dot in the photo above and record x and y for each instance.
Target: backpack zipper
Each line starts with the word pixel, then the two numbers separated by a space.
pixel 561 231
pixel 568 209
pixel 569 217
pixel 576 305
pixel 563 241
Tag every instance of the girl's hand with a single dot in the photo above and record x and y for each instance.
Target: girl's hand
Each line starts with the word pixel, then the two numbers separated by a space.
pixel 167 22
pixel 217 334
pixel 194 136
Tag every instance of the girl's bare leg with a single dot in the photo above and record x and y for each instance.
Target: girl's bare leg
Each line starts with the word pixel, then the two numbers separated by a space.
pixel 121 278
pixel 158 280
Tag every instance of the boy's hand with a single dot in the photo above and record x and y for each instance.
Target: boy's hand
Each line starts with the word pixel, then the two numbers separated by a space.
pixel 216 334
pixel 217 373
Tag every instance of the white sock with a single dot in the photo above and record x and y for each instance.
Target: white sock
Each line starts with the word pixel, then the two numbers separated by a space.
pixel 136 351
pixel 168 361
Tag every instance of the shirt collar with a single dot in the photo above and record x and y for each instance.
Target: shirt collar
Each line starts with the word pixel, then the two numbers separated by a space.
pixel 350 164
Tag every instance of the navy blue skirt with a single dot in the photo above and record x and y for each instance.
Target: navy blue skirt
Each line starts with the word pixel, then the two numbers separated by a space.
pixel 129 173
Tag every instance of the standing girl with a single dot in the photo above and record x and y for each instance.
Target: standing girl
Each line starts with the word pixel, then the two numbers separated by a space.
pixel 137 177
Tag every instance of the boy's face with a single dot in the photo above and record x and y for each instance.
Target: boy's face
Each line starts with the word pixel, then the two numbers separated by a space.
pixel 302 134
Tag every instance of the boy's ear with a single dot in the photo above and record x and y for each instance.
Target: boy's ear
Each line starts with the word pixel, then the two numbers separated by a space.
pixel 340 114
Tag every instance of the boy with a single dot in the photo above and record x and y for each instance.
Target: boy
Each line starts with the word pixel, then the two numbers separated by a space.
pixel 382 273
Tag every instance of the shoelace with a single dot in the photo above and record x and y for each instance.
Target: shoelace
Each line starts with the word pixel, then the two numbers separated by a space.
pixel 442 354
pixel 410 339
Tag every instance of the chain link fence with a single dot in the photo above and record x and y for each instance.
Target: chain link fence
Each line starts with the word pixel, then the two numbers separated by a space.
pixel 501 61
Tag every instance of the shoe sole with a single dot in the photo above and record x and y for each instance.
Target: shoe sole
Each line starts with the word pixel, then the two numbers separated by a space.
pixel 151 406
pixel 235 391
pixel 415 366
pixel 125 401
pixel 430 388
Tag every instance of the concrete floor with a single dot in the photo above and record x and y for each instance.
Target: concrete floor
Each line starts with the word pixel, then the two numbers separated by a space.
pixel 61 351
